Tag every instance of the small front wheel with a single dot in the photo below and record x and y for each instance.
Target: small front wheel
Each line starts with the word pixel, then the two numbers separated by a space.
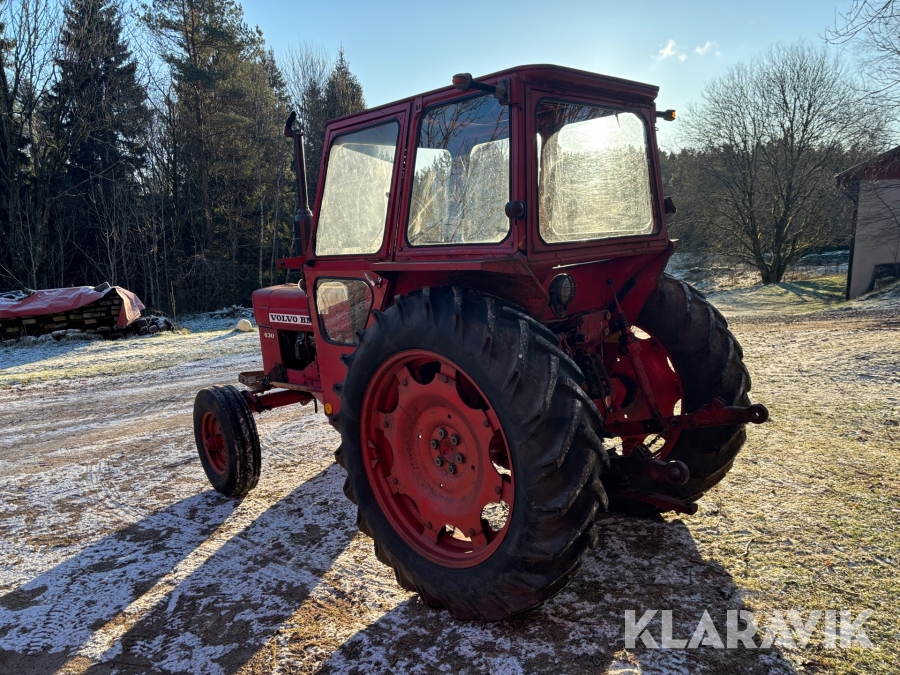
pixel 227 440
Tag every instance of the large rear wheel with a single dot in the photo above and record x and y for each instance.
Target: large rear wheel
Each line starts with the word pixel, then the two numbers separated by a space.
pixel 471 453
pixel 693 359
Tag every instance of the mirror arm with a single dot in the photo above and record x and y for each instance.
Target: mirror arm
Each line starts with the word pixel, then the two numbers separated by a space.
pixel 464 82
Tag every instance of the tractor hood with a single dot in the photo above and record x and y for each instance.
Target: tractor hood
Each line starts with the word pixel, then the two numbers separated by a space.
pixel 284 306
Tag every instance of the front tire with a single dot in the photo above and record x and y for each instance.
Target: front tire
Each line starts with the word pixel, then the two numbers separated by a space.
pixel 227 440
pixel 442 360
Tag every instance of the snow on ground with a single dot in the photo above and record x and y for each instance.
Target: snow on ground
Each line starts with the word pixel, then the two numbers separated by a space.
pixel 117 557
pixel 711 273
pixel 43 358
pixel 786 298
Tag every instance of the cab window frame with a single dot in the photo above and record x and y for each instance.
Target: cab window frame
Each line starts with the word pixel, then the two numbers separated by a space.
pixel 397 117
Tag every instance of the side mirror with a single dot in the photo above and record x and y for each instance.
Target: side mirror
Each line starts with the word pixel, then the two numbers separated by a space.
pixel 289 125
pixel 669 205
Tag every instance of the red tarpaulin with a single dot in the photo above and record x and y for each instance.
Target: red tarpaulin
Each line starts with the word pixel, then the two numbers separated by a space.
pixel 56 300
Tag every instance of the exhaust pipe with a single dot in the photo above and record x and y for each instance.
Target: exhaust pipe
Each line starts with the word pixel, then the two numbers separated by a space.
pixel 304 217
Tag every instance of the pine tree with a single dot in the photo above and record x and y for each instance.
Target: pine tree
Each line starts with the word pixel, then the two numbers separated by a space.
pixel 104 109
pixel 100 114
pixel 315 113
pixel 343 92
pixel 229 111
pixel 205 43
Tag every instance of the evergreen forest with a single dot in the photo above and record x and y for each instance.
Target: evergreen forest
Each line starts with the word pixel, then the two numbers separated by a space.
pixel 145 147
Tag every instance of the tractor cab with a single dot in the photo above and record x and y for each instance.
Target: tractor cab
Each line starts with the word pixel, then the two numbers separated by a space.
pixel 482 312
pixel 500 185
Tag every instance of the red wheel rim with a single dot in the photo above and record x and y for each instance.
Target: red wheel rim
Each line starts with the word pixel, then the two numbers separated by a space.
pixel 213 443
pixel 630 404
pixel 437 459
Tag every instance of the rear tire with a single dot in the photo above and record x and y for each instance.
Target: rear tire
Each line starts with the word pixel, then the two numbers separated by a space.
pixel 227 440
pixel 548 425
pixel 709 360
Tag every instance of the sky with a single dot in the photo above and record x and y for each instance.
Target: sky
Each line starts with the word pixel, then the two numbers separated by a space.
pixel 399 49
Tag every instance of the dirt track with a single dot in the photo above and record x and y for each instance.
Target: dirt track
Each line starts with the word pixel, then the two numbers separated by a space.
pixel 115 556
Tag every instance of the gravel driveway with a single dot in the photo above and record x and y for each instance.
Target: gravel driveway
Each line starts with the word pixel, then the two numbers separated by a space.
pixel 116 556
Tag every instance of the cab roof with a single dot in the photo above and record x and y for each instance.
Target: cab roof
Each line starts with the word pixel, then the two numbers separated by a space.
pixel 551 77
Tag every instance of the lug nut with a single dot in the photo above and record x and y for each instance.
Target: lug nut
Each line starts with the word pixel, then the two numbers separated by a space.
pixel 451 468
pixel 441 433
pixel 438 462
pixel 460 459
pixel 454 440
pixel 434 444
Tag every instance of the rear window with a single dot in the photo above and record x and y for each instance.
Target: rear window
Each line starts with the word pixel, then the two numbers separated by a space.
pixel 593 173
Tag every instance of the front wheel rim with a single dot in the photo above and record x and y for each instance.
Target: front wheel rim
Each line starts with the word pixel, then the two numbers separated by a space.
pixel 213 443
pixel 437 459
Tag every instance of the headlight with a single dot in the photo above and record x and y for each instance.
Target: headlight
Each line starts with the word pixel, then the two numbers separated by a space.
pixel 562 292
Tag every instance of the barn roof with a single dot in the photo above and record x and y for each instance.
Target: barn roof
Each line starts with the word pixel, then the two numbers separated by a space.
pixel 886 165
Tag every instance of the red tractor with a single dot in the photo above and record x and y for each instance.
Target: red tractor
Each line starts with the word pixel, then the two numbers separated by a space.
pixel 483 314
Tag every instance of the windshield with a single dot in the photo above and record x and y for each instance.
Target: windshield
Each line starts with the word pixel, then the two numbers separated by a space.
pixel 461 176
pixel 593 173
pixel 357 188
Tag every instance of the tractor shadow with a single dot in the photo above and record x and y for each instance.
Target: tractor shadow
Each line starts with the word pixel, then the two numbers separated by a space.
pixel 226 594
pixel 640 564
pixel 234 333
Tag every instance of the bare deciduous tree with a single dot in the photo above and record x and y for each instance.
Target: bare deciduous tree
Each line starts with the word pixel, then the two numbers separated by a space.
pixel 876 26
pixel 307 68
pixel 773 133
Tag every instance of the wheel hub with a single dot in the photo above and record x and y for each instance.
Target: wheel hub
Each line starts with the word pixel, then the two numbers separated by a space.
pixel 430 444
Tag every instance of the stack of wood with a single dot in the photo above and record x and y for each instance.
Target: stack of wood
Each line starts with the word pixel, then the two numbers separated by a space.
pixel 109 311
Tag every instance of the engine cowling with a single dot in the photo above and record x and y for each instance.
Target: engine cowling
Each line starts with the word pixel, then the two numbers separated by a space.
pixel 285 327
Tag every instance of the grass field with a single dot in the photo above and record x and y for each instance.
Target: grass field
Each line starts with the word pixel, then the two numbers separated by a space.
pixel 799 297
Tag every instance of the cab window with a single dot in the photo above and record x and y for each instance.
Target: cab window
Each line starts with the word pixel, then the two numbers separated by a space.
pixel 357 191
pixel 593 173
pixel 461 175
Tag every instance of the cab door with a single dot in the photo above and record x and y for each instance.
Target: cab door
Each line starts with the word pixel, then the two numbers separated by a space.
pixel 358 196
